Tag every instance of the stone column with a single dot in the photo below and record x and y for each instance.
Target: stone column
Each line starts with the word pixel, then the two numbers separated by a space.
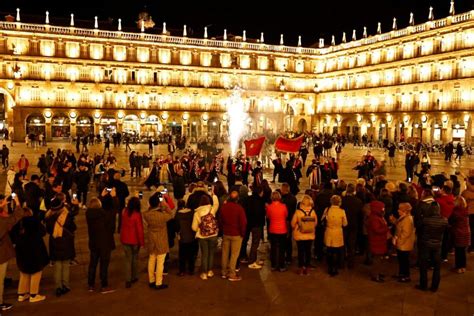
pixel 73 127
pixel 467 140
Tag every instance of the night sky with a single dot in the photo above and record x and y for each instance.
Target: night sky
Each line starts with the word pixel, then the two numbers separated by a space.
pixel 311 19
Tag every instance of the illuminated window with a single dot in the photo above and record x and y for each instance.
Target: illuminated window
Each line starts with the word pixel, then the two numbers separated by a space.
pixel 164 56
pixel 185 57
pixel 427 47
pixel 262 62
pixel 408 50
pixel 72 49
pixel 206 59
pixel 47 48
pixel 120 53
pixel 375 58
pixel 425 72
pixel 72 73
pixel 391 53
pixel 96 51
pixel 18 46
pixel 299 66
pixel 143 54
pixel 206 80
pixel 406 75
pixel 281 64
pixel 374 78
pixel 244 61
pixel 225 60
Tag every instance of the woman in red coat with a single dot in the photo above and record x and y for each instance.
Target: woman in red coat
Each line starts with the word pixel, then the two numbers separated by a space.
pixel 461 232
pixel 377 231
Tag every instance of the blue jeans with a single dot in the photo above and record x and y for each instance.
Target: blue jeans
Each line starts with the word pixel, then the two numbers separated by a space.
pixel 208 248
pixel 131 262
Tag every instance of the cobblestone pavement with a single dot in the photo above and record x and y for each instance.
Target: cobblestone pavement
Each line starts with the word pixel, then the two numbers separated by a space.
pixel 260 292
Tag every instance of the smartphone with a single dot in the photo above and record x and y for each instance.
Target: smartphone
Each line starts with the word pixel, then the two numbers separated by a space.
pixel 216 179
pixel 409 179
pixel 140 194
pixel 108 189
pixel 435 189
pixel 13 195
pixel 74 196
pixel 161 199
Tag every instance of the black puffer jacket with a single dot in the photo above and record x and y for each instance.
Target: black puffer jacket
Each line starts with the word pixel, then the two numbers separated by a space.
pixel 433 227
pixel 31 253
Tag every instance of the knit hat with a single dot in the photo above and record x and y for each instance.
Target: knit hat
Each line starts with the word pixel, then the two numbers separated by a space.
pixel 390 186
pixel 377 206
pixel 56 204
pixel 404 207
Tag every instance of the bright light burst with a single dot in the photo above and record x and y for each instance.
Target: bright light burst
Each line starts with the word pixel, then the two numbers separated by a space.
pixel 237 118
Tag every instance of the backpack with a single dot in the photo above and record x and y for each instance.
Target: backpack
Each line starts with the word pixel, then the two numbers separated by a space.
pixel 306 223
pixel 208 225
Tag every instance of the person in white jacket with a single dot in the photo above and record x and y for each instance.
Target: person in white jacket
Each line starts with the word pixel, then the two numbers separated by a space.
pixel 10 179
pixel 206 228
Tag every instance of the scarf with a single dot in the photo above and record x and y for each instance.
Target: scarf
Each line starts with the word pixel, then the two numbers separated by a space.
pixel 58 226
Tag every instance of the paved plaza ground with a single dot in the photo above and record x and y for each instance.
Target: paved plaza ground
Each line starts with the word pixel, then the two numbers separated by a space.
pixel 261 292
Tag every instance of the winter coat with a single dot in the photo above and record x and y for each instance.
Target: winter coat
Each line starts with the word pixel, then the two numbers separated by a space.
pixel 100 227
pixel 433 228
pixel 460 227
pixel 156 220
pixel 277 214
pixel 295 221
pixel 353 208
pixel 405 233
pixel 61 248
pixel 468 195
pixel 335 220
pixel 6 224
pixel 184 221
pixel 446 203
pixel 131 232
pixel 255 211
pixel 198 214
pixel 31 253
pixel 377 231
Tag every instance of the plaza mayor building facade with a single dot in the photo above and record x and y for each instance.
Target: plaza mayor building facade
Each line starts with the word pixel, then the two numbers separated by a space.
pixel 414 82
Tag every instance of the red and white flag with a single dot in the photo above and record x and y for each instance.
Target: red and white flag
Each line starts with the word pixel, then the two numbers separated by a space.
pixel 253 147
pixel 289 145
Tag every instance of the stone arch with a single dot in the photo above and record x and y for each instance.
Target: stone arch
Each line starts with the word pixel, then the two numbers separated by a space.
pixel 302 125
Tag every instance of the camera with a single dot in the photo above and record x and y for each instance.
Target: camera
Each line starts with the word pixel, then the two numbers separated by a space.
pixel 140 194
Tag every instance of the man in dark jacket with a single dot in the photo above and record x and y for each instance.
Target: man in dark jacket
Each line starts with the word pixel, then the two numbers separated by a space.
pixel 353 208
pixel 82 178
pixel 255 212
pixel 101 227
pixel 179 185
pixel 290 201
pixel 5 153
pixel 43 167
pixel 322 201
pixel 432 227
pixel 188 245
pixel 122 194
pixel 34 194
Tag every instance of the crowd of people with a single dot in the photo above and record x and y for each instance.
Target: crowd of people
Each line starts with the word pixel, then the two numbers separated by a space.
pixel 190 208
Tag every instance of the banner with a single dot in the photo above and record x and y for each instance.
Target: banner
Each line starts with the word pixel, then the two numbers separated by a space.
pixel 253 147
pixel 289 145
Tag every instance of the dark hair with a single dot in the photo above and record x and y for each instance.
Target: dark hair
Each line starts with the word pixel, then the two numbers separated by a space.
pixel 257 190
pixel 471 180
pixel 447 189
pixel 154 200
pixel 181 204
pixel 205 200
pixel 34 177
pixel 219 189
pixel 133 205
